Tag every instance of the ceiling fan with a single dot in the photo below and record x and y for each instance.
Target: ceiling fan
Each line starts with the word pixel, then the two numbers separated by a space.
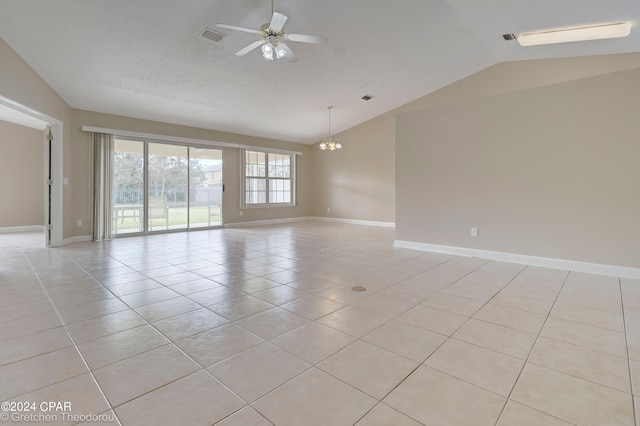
pixel 273 38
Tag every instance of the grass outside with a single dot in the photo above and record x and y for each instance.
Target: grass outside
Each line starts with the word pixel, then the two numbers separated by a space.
pixel 177 219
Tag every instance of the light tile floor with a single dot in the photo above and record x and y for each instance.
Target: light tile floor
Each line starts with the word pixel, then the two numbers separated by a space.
pixel 261 326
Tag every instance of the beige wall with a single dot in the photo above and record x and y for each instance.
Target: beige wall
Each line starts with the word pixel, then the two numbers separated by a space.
pixel 22 180
pixel 550 171
pixel 20 83
pixel 507 77
pixel 81 157
pixel 358 181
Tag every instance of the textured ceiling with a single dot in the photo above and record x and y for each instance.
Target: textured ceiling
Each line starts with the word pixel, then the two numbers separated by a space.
pixel 146 59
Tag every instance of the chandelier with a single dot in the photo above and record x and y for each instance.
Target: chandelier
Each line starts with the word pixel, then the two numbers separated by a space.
pixel 331 143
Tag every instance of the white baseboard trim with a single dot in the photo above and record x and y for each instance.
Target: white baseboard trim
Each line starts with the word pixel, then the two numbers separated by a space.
pixel 308 218
pixel 569 265
pixel 265 222
pixel 29 228
pixel 353 221
pixel 78 239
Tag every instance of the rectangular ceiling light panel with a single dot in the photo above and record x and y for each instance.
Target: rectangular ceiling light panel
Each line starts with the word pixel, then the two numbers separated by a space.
pixel 566 35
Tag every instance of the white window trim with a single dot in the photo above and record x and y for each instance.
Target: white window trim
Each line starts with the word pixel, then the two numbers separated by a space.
pixel 243 179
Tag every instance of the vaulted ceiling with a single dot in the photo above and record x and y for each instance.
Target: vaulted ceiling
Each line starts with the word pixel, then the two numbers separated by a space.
pixel 146 58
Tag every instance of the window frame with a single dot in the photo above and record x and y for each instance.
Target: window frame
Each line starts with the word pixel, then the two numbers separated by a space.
pixel 267 179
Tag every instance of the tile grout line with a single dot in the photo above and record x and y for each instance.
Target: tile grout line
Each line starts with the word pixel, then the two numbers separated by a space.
pixel 360 339
pixel 626 341
pixel 313 366
pixel 171 342
pixel 64 325
pixel 441 344
pixel 80 257
pixel 203 368
pixel 532 349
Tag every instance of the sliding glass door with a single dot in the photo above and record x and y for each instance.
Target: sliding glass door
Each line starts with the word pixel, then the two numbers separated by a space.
pixel 165 187
pixel 205 187
pixel 128 186
pixel 168 176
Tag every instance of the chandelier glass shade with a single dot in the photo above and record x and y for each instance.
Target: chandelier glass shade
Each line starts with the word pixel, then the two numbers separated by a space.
pixel 330 143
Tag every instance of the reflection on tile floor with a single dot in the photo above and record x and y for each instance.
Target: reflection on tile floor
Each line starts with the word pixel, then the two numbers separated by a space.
pixel 260 326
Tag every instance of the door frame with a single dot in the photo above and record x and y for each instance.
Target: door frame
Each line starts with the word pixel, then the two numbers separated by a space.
pixel 53 238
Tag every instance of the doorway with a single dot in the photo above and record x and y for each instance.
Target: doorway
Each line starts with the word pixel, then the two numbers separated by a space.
pixel 51 131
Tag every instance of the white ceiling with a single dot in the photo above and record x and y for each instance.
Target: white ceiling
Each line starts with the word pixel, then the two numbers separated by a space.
pixel 146 59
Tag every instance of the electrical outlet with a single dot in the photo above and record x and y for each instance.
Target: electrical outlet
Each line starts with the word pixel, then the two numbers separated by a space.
pixel 79 222
pixel 241 212
pixel 328 209
pixel 474 232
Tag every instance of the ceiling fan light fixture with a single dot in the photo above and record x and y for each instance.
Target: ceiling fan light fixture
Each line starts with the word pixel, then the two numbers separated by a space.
pixel 267 51
pixel 280 52
pixel 274 38
pixel 567 35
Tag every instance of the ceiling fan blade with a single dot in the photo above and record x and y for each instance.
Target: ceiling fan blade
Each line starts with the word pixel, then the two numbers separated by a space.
pixel 250 47
pixel 277 21
pixel 233 27
pixel 304 38
pixel 289 56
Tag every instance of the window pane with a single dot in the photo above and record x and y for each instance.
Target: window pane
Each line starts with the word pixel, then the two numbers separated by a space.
pixel 128 186
pixel 255 191
pixel 255 163
pixel 205 187
pixel 168 169
pixel 279 191
pixel 279 165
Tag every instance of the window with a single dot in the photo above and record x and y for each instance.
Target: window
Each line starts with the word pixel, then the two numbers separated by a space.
pixel 268 178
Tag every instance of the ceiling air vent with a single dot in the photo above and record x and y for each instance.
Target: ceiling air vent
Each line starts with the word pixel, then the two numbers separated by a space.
pixel 212 35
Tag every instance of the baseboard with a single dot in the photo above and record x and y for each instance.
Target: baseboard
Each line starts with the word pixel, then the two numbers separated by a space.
pixel 309 218
pixel 14 229
pixel 266 222
pixel 78 239
pixel 353 221
pixel 570 265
